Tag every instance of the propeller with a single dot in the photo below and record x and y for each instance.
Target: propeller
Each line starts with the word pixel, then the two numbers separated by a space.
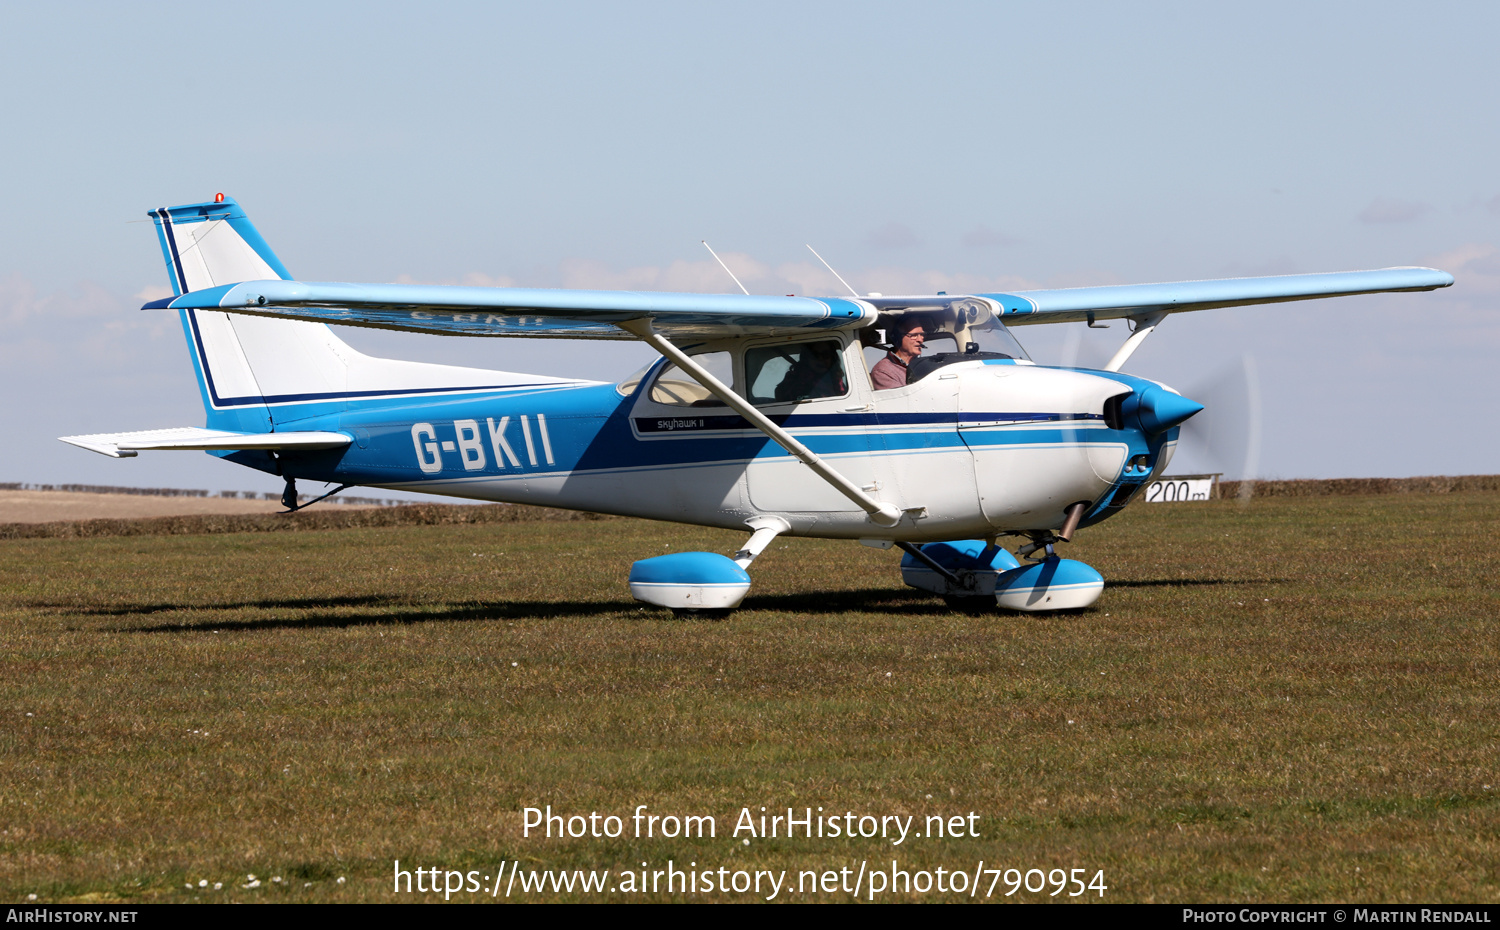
pixel 1226 435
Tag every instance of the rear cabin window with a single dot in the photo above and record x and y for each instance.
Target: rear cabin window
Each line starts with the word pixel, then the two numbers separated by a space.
pixel 628 386
pixel 677 388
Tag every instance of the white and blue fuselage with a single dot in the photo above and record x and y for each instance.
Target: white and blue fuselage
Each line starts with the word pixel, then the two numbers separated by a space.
pixel 977 448
pixel 761 415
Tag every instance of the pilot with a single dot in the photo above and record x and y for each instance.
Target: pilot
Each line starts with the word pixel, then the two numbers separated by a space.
pixel 816 373
pixel 890 372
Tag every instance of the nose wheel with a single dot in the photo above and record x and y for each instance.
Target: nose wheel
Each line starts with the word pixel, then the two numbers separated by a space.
pixel 974 577
pixel 689 613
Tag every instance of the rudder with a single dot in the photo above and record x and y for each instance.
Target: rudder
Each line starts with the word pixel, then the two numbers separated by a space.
pixel 244 365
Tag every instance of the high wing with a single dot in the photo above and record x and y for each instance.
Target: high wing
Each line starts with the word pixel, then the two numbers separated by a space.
pixel 488 311
pixel 494 311
pixel 1067 305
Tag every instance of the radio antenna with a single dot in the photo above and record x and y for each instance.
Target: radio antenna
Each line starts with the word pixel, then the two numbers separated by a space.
pixel 724 266
pixel 835 273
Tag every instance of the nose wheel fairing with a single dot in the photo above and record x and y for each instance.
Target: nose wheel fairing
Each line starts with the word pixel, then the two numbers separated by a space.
pixel 1052 584
pixel 970 573
pixel 964 568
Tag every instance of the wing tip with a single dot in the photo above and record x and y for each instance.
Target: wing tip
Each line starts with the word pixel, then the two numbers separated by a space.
pixel 99 444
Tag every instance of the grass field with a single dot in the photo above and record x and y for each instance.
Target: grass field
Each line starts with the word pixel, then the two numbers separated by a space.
pixel 1294 700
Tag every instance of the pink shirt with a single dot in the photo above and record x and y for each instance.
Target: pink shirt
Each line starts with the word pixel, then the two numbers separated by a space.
pixel 889 372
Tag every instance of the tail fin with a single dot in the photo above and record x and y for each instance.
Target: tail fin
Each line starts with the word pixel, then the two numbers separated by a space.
pixel 245 365
pixel 213 243
pixel 257 374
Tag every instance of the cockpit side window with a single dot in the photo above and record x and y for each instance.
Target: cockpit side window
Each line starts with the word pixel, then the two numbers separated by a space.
pixel 795 371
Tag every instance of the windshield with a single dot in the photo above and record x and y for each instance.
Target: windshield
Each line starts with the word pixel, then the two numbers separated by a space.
pixel 964 326
pixel 992 336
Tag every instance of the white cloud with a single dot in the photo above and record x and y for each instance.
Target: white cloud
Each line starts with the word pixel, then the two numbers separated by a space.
pixel 1480 255
pixel 912 281
pixel 152 292
pixel 19 302
pixel 1386 210
pixel 94 362
pixel 1087 277
pixel 475 279
pixel 705 277
pixel 1278 265
pixel 1476 273
pixel 806 278
pixel 471 279
pixel 803 278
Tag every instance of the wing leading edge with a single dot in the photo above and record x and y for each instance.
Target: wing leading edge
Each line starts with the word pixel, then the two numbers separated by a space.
pixel 494 311
pixel 1073 304
pixel 489 311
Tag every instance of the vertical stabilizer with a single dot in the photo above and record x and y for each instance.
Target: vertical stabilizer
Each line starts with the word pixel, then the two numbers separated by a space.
pixel 258 374
pixel 245 365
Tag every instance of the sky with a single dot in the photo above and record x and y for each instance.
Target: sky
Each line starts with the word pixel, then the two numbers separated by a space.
pixel 919 147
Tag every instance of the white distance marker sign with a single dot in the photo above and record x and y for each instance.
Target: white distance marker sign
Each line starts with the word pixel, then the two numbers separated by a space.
pixel 1179 490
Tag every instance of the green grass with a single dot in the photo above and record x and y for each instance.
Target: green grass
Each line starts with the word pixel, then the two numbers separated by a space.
pixel 1290 701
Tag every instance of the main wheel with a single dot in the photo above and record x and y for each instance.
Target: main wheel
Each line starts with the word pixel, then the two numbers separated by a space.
pixel 700 613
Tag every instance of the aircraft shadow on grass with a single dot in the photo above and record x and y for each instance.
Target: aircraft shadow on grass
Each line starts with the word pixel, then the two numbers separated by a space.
pixel 1192 582
pixel 136 610
pixel 392 610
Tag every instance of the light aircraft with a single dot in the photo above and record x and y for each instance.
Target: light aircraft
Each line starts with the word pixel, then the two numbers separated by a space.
pixel 759 415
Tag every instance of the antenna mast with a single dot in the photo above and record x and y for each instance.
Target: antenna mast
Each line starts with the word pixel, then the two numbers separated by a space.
pixel 830 268
pixel 724 266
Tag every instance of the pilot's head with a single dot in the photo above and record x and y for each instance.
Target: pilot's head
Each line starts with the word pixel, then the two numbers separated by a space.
pixel 910 336
pixel 821 355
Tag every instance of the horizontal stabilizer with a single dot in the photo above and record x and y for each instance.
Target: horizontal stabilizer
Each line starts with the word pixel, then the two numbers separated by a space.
pixel 124 445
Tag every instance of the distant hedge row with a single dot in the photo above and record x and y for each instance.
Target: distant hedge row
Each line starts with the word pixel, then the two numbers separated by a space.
pixel 313 519
pixel 318 518
pixel 192 492
pixel 1337 487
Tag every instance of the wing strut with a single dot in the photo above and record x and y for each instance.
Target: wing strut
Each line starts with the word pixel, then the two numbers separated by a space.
pixel 1144 325
pixel 881 513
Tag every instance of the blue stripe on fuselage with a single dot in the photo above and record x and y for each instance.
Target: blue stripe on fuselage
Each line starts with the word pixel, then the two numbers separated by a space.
pixel 589 428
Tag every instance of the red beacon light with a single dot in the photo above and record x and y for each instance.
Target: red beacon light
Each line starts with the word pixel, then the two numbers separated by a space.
pixel 218 198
